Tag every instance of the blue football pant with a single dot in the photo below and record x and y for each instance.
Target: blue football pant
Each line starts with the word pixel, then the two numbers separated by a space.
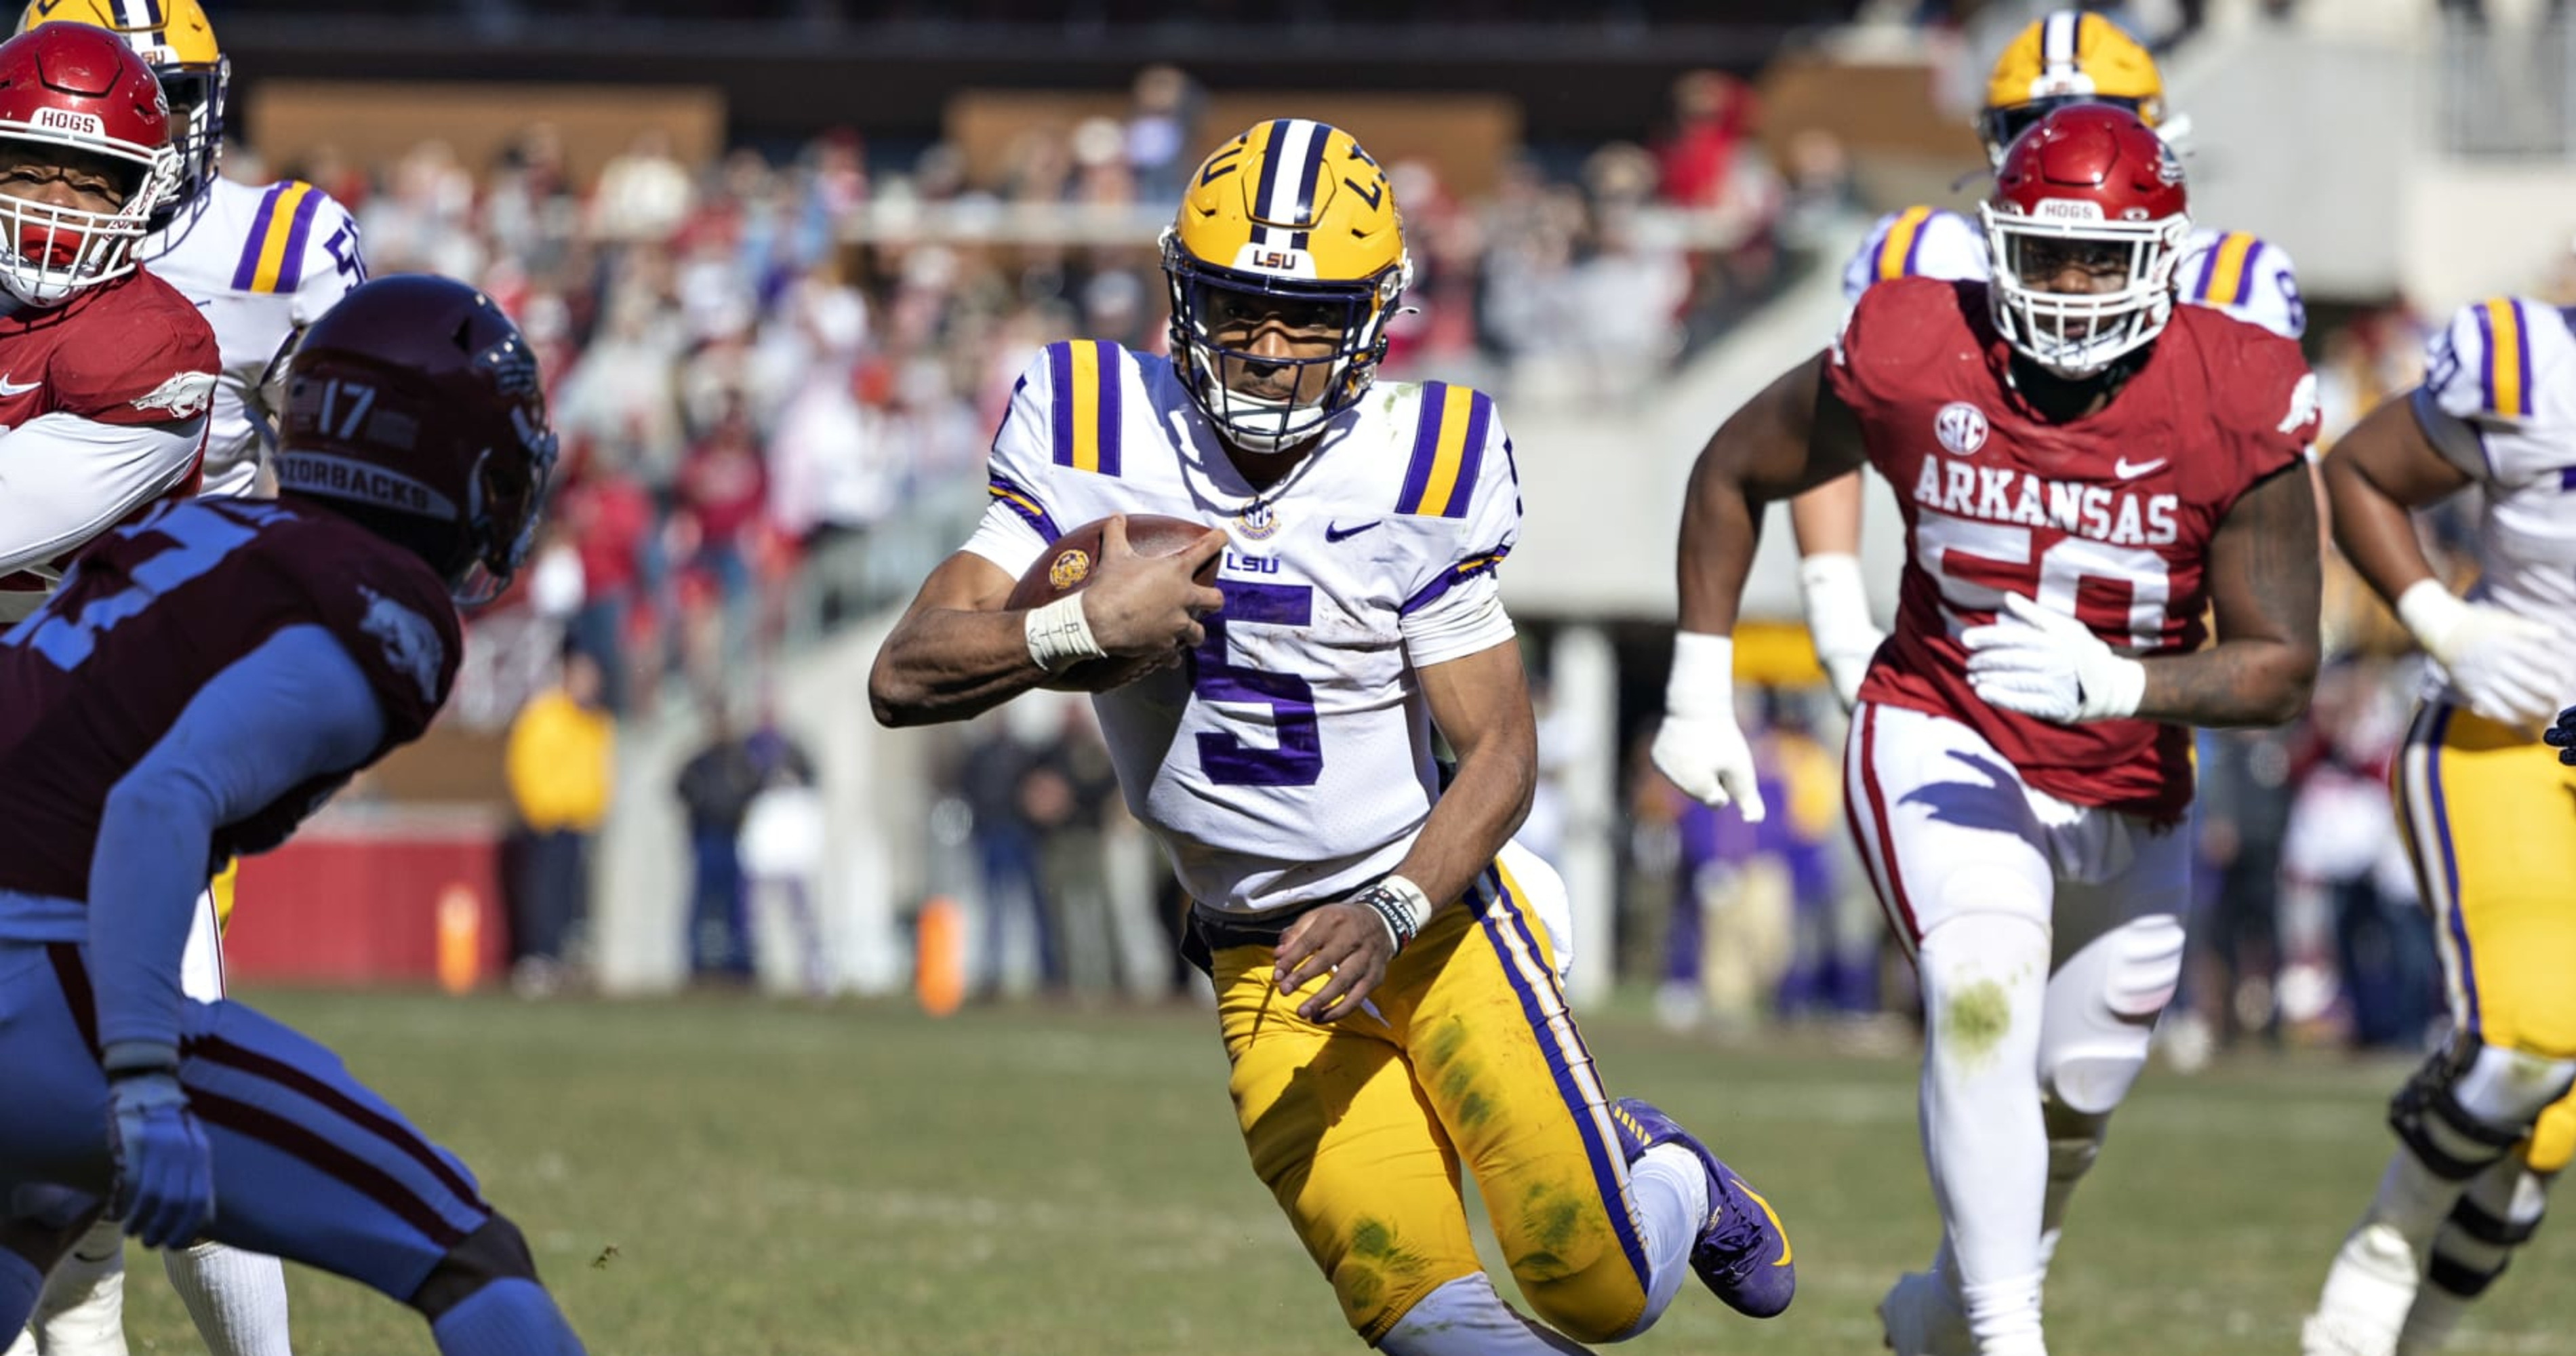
pixel 309 1165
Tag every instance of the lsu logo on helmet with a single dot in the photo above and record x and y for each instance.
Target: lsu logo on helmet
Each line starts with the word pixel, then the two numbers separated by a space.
pixel 1290 220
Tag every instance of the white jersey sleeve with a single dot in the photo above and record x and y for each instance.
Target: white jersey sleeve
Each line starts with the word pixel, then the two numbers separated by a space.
pixel 2499 402
pixel 1455 608
pixel 1018 525
pixel 1919 242
pixel 2245 276
pixel 65 479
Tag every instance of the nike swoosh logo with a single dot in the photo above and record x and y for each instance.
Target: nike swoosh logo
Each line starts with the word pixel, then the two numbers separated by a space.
pixel 1774 1217
pixel 1336 532
pixel 2125 471
pixel 201 303
pixel 10 390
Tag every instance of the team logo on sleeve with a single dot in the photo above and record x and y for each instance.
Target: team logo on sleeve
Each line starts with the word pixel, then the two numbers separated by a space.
pixel 1961 427
pixel 184 396
pixel 411 643
pixel 2303 404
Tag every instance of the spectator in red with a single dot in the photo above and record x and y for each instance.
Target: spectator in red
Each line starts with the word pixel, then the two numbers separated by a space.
pixel 723 489
pixel 1712 115
pixel 610 519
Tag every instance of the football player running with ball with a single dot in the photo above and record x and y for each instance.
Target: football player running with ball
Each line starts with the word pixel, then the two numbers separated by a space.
pixel 2064 57
pixel 2085 468
pixel 203 680
pixel 1385 992
pixel 2488 814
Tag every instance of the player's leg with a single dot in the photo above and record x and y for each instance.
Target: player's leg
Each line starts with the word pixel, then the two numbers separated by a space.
pixel 1602 1209
pixel 39 1227
pixel 1960 861
pixel 2498 1213
pixel 2494 876
pixel 237 1299
pixel 2119 945
pixel 1340 1135
pixel 312 1166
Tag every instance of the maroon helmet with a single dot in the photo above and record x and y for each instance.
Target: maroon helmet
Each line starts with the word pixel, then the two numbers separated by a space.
pixel 2090 193
pixel 413 405
pixel 68 93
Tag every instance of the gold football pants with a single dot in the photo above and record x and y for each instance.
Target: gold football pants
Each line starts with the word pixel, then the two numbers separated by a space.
pixel 2490 816
pixel 1466 1052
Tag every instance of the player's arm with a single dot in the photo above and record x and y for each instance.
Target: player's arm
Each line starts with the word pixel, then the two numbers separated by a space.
pixel 64 479
pixel 1480 702
pixel 1826 521
pixel 2263 586
pixel 2379 472
pixel 1796 434
pixel 958 651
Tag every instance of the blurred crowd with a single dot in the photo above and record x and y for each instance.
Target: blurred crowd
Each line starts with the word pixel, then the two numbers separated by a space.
pixel 756 364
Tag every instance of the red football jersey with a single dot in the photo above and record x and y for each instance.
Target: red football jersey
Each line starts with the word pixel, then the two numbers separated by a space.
pixel 152 613
pixel 2108 518
pixel 129 351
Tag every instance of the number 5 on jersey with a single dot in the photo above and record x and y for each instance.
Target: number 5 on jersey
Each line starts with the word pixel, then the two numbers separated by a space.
pixel 1298 758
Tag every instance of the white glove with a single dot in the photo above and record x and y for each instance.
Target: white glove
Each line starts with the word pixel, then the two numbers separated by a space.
pixel 1699 744
pixel 2512 669
pixel 2048 664
pixel 1838 620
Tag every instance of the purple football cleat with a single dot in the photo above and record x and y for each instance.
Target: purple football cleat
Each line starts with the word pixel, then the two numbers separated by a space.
pixel 1743 1253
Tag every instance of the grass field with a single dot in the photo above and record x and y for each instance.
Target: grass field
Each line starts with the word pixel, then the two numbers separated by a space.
pixel 734 1177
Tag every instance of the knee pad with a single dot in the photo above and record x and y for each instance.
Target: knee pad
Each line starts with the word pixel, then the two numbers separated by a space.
pixel 2102 1009
pixel 1465 1317
pixel 2471 1104
pixel 494 1252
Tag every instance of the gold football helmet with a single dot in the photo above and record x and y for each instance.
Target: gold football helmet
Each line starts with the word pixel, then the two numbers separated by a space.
pixel 1289 224
pixel 2067 57
pixel 174 39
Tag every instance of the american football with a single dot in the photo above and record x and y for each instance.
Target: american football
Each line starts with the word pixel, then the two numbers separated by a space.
pixel 1068 567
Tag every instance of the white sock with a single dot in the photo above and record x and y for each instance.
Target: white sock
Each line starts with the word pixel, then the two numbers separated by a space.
pixel 1672 1198
pixel 1466 1318
pixel 82 1312
pixel 1984 977
pixel 237 1298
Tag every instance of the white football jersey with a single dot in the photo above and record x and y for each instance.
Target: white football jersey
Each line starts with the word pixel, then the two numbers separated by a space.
pixel 2247 278
pixel 2499 400
pixel 1290 760
pixel 262 261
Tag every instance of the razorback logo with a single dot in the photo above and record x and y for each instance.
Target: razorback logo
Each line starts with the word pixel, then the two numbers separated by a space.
pixel 411 644
pixel 184 396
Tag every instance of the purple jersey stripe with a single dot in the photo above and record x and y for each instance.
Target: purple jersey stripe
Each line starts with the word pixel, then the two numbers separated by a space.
pixel 290 271
pixel 1060 380
pixel 1027 506
pixel 2245 276
pixel 262 219
pixel 1914 247
pixel 2486 359
pixel 1107 407
pixel 1505 914
pixel 1480 413
pixel 1482 563
pixel 2527 400
pixel 1426 447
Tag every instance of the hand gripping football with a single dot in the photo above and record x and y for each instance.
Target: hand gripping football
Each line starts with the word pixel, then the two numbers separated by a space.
pixel 1068 567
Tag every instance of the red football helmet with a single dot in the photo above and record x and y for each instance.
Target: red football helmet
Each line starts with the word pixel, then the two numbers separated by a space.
pixel 413 405
pixel 68 93
pixel 2087 223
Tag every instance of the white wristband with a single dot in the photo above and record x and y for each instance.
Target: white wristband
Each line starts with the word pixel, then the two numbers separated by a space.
pixel 1059 635
pixel 2431 613
pixel 1837 599
pixel 1400 905
pixel 1702 685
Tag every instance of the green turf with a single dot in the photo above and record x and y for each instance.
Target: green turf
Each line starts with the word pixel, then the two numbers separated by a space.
pixel 734 1177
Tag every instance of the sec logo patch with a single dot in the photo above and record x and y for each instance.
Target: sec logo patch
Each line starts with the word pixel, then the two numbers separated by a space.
pixel 1961 427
